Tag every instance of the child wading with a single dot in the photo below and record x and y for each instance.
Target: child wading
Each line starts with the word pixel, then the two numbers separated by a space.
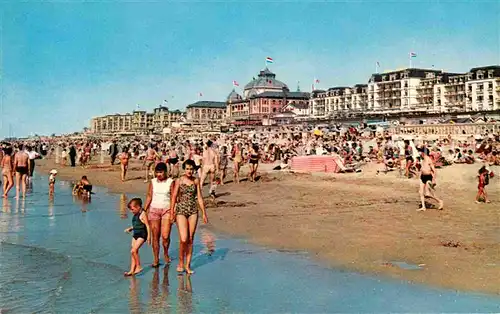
pixel 52 181
pixel 140 234
pixel 484 180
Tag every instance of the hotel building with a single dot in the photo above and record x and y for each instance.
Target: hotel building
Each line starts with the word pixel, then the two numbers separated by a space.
pixel 139 122
pixel 413 90
pixel 263 98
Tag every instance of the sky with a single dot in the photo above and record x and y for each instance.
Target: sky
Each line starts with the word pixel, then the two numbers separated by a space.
pixel 64 62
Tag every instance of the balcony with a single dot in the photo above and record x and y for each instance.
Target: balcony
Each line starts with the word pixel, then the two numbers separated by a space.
pixel 479 91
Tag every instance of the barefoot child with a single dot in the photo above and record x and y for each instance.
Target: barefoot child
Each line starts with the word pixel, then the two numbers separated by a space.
pixel 52 181
pixel 140 233
pixel 484 180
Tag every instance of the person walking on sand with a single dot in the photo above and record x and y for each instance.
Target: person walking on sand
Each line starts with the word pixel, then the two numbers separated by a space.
pixel 72 155
pixel 140 233
pixel 427 179
pixel 209 166
pixel 253 162
pixel 186 197
pixel 484 180
pixel 237 157
pixel 22 168
pixel 113 152
pixel 7 171
pixel 149 161
pixel 158 209
pixel 124 160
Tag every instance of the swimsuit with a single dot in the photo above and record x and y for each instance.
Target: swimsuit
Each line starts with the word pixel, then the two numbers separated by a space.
pixel 187 205
pixel 22 170
pixel 254 159
pixel 173 160
pixel 139 228
pixel 425 178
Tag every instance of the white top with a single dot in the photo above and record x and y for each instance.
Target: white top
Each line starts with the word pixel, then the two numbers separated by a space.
pixel 161 193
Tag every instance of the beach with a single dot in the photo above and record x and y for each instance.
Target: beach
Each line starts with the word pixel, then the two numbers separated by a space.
pixel 360 222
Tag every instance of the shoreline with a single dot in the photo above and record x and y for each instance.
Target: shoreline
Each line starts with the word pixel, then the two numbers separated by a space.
pixel 348 222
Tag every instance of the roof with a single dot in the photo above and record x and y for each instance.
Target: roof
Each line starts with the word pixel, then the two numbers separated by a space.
pixel 289 95
pixel 234 96
pixel 412 73
pixel 207 104
pixel 265 79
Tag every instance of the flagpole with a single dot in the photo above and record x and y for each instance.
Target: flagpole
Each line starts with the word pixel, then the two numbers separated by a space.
pixel 410 59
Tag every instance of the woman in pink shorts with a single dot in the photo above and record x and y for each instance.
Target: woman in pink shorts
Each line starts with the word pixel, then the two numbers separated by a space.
pixel 158 209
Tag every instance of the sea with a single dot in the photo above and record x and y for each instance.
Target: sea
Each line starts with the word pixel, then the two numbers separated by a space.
pixel 61 254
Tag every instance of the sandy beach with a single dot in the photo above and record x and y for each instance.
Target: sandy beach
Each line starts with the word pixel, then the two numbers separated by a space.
pixel 361 222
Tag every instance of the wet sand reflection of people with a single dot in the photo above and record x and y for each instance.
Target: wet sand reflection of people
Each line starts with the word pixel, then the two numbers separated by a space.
pixel 123 206
pixel 159 299
pixel 6 206
pixel 134 300
pixel 184 294
pixel 208 239
pixel 20 205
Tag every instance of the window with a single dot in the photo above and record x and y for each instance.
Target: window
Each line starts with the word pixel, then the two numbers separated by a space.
pixel 274 109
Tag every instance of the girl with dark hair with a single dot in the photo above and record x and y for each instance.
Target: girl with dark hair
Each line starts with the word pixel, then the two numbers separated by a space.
pixel 7 170
pixel 186 197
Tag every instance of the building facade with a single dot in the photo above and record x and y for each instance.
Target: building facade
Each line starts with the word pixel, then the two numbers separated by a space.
pixel 262 98
pixel 138 122
pixel 412 91
pixel 206 112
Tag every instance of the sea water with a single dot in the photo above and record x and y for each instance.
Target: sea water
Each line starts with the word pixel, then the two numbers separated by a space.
pixel 62 255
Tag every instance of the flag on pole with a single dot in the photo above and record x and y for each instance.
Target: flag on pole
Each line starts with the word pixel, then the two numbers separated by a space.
pixel 413 55
pixel 316 81
pixel 137 106
pixel 378 64
pixel 200 94
pixel 235 83
pixel 269 60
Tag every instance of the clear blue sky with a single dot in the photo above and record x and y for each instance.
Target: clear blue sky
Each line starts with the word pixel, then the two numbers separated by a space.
pixel 65 62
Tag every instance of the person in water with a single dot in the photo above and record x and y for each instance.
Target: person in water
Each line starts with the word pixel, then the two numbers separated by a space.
pixel 52 181
pixel 140 233
pixel 186 197
pixel 83 187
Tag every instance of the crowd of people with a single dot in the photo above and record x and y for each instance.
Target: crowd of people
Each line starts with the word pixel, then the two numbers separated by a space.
pixel 176 169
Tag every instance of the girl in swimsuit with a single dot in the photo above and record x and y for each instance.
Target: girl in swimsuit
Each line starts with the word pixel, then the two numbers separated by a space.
pixel 254 162
pixel 236 154
pixel 7 173
pixel 124 159
pixel 173 161
pixel 223 164
pixel 187 196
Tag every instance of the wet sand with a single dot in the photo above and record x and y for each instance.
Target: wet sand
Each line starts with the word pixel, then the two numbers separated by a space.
pixel 359 222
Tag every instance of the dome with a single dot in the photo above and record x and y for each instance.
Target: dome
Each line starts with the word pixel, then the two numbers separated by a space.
pixel 266 80
pixel 233 96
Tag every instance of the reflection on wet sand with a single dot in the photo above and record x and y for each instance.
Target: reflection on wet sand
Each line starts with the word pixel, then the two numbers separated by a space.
pixel 6 206
pixel 208 239
pixel 84 200
pixel 159 299
pixel 134 299
pixel 20 205
pixel 184 294
pixel 123 206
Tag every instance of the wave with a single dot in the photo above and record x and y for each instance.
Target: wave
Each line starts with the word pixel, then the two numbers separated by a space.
pixel 36 279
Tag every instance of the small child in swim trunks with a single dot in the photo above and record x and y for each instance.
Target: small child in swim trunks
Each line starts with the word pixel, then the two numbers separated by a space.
pixel 140 233
pixel 52 180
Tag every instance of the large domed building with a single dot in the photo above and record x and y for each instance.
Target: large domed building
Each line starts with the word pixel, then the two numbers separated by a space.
pixel 265 82
pixel 263 97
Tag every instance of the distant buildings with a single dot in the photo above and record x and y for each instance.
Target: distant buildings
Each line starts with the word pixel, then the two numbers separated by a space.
pixel 412 91
pixel 266 100
pixel 138 122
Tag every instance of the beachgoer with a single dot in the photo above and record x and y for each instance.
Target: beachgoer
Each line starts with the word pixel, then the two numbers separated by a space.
pixel 209 166
pixel 22 168
pixel 237 157
pixel 158 209
pixel 83 187
pixel 33 155
pixel 7 170
pixel 52 181
pixel 484 180
pixel 186 198
pixel 149 161
pixel 427 179
pixel 124 160
pixel 140 233
pixel 223 161
pixel 173 161
pixel 253 162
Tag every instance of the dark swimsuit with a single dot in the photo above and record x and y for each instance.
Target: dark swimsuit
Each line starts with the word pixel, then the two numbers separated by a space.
pixel 139 228
pixel 426 178
pixel 22 170
pixel 254 159
pixel 173 160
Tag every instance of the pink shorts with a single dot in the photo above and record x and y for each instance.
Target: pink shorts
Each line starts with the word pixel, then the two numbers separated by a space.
pixel 158 213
